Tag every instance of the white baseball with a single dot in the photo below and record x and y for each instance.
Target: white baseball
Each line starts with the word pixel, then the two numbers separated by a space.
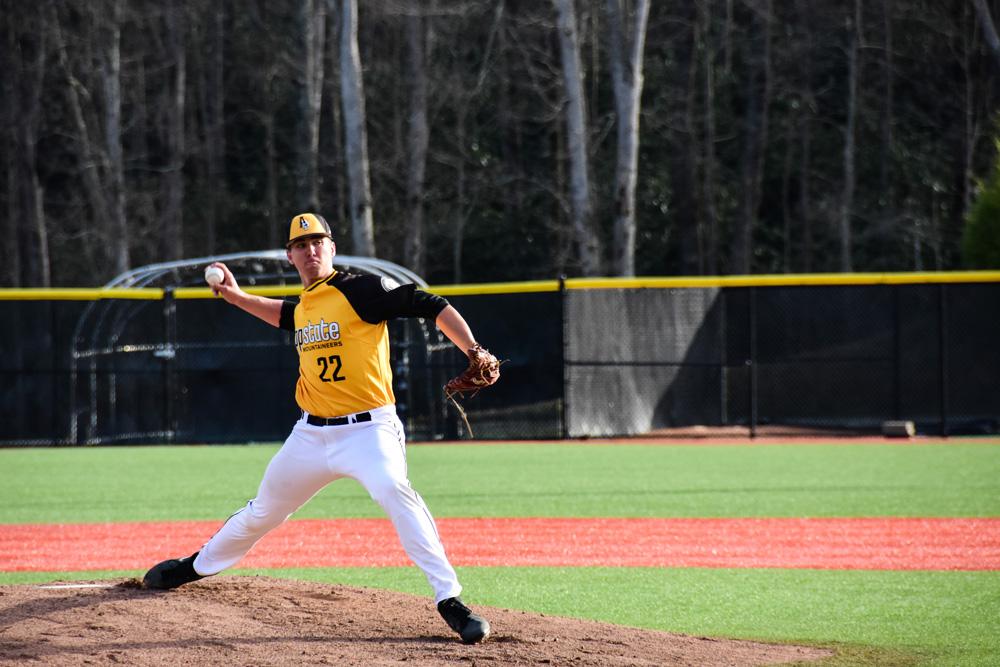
pixel 214 275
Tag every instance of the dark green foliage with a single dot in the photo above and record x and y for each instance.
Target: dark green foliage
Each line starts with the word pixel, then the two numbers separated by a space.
pixel 981 239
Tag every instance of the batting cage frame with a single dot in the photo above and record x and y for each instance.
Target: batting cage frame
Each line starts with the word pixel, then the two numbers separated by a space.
pixel 145 359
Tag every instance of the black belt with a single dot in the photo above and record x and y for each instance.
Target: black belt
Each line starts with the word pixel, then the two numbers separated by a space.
pixel 338 421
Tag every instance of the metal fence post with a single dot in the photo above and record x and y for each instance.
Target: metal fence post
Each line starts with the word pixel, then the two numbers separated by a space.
pixel 723 343
pixel 752 362
pixel 943 354
pixel 563 426
pixel 167 356
pixel 897 383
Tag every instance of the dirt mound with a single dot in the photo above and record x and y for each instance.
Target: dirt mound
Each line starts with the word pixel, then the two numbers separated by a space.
pixel 264 621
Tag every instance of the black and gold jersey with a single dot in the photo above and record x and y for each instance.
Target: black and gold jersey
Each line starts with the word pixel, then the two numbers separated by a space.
pixel 343 341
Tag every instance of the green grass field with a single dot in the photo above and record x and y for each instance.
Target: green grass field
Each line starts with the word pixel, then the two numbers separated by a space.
pixel 874 618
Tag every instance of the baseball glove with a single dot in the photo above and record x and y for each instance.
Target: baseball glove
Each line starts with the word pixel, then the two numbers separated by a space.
pixel 483 371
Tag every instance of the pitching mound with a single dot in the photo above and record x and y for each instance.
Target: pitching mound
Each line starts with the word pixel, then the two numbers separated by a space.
pixel 264 621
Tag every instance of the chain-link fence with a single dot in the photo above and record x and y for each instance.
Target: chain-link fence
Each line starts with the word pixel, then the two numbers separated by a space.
pixel 581 358
pixel 784 358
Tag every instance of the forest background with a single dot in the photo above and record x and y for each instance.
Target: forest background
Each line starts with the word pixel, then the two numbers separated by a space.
pixel 500 140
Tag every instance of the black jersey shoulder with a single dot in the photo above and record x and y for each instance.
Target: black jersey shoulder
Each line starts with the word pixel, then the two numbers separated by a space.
pixel 287 318
pixel 376 299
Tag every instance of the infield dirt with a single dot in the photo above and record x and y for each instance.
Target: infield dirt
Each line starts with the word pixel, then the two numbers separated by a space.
pixel 264 621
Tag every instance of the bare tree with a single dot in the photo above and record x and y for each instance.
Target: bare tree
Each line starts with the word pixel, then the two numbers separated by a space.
pixel 463 88
pixel 210 78
pixel 787 206
pixel 417 138
pixel 175 26
pixel 988 27
pixel 99 153
pixel 710 243
pixel 685 148
pixel 332 165
pixel 26 242
pixel 774 139
pixel 626 50
pixel 755 122
pixel 805 121
pixel 269 120
pixel 847 198
pixel 581 197
pixel 974 118
pixel 10 250
pixel 886 120
pixel 115 181
pixel 311 21
pixel 355 134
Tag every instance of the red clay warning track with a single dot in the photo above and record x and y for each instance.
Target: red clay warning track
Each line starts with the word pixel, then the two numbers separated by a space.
pixel 863 544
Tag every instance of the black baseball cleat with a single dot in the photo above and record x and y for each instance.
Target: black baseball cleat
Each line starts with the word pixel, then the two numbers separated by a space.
pixel 470 627
pixel 172 573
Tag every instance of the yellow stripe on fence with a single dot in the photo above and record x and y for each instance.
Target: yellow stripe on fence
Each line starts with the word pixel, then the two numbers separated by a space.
pixel 496 288
pixel 79 293
pixel 776 280
pixel 788 280
pixel 262 290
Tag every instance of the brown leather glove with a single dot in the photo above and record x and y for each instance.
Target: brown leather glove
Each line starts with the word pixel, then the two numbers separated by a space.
pixel 483 370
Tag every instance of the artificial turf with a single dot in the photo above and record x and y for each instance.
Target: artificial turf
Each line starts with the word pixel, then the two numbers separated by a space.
pixel 956 479
pixel 938 618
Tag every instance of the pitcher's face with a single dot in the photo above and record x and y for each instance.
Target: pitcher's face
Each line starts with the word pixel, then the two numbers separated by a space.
pixel 312 257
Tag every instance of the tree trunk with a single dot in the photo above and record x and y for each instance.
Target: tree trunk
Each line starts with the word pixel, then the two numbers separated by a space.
pixel 10 250
pixel 38 269
pixel 356 137
pixel 805 263
pixel 417 140
pixel 173 208
pixel 805 193
pixel 33 202
pixel 967 142
pixel 787 206
pixel 311 20
pixel 710 244
pixel 727 40
pixel 684 162
pixel 460 195
pixel 509 127
pixel 754 147
pixel 334 170
pixel 465 188
pixel 215 130
pixel 626 52
pixel 25 240
pixel 847 199
pixel 118 237
pixel 277 233
pixel 886 194
pixel 988 27
pixel 86 154
pixel 581 202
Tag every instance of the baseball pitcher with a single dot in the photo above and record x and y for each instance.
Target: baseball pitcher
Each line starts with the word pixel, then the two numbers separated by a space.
pixel 349 426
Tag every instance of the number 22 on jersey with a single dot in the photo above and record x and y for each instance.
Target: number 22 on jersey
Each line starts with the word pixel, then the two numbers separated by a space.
pixel 331 368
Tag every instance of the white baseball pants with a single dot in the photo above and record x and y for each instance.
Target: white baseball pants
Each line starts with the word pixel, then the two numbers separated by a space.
pixel 374 454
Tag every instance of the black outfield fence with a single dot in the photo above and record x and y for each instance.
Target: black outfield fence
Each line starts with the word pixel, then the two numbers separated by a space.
pixel 842 353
